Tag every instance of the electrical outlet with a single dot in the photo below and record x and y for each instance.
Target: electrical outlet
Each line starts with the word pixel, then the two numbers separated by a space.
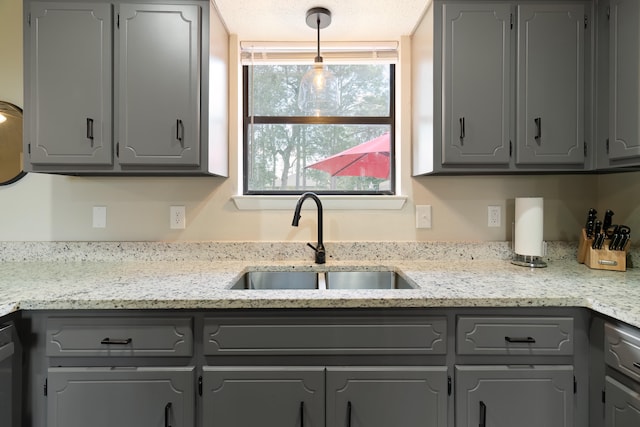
pixel 423 216
pixel 494 214
pixel 177 217
pixel 99 217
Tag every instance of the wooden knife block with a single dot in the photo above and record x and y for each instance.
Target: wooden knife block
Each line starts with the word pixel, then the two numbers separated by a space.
pixel 601 259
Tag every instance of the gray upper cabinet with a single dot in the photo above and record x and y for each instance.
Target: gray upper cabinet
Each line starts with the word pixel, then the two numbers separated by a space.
pixel 624 83
pixel 126 88
pixel 476 81
pixel 69 118
pixel 550 94
pixel 158 84
pixel 502 87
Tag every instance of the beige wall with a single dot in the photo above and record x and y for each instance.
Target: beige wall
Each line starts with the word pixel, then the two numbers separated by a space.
pixel 42 207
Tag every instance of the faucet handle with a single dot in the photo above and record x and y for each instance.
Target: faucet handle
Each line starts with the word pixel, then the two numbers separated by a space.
pixel 321 255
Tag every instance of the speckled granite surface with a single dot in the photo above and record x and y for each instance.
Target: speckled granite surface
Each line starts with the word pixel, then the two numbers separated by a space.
pixel 39 276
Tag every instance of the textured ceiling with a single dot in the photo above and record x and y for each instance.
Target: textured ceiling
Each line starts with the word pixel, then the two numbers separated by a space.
pixel 352 20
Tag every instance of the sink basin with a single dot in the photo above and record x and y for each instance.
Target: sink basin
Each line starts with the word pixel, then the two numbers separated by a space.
pixel 283 280
pixel 277 280
pixel 366 280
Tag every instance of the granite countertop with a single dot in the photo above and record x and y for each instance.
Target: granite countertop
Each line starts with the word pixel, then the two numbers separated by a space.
pixel 134 276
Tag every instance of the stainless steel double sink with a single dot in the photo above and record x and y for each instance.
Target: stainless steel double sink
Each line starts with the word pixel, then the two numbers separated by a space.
pixel 284 280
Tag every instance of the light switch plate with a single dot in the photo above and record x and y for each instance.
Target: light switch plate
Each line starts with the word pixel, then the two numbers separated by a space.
pixel 423 216
pixel 99 217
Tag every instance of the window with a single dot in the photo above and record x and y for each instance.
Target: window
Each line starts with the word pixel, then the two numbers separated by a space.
pixel 289 152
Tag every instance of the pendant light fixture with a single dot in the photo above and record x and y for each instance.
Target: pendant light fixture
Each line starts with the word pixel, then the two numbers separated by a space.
pixel 318 94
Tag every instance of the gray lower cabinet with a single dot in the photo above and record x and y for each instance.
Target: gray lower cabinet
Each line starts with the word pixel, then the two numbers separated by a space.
pixel 123 397
pixel 622 358
pixel 378 396
pixel 263 396
pixel 514 395
pixel 387 396
pixel 622 405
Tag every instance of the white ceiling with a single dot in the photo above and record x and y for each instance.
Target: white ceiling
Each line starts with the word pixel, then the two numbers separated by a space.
pixel 352 20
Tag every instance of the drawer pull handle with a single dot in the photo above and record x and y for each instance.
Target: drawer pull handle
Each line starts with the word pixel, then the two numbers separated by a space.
pixel 179 130
pixel 108 340
pixel 90 128
pixel 349 414
pixel 529 340
pixel 636 365
pixel 301 414
pixel 483 415
pixel 167 415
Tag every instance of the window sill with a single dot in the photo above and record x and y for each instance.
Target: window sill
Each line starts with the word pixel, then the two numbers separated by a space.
pixel 329 202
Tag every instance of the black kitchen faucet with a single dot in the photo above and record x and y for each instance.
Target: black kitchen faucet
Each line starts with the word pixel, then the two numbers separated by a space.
pixel 319 248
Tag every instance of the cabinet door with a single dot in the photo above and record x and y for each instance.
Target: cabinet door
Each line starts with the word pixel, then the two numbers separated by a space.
pixel 159 83
pixel 476 83
pixel 263 396
pixel 507 396
pixel 550 84
pixel 624 83
pixel 70 83
pixel 387 396
pixel 123 397
pixel 622 406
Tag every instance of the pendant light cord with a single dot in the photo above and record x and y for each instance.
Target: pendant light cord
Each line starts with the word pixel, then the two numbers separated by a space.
pixel 318 57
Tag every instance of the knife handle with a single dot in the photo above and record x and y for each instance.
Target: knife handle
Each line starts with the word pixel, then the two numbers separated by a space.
pixel 589 229
pixel 606 222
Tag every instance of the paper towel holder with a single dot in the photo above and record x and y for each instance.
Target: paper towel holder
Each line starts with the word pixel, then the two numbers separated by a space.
pixel 531 261
pixel 528 242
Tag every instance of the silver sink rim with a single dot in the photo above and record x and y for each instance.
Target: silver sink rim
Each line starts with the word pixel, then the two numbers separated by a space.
pixel 323 280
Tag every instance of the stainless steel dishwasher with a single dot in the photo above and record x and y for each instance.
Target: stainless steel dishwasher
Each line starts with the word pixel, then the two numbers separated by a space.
pixel 9 378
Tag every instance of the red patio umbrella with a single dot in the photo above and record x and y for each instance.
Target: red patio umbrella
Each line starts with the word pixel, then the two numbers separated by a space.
pixel 370 159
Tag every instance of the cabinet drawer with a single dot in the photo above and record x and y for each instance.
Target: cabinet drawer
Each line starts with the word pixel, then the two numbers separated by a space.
pixel 622 349
pixel 515 335
pixel 318 335
pixel 119 336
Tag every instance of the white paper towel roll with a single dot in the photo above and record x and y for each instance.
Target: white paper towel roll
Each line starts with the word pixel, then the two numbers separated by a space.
pixel 529 224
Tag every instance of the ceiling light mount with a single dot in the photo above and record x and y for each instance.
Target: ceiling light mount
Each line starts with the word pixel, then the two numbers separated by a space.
pixel 318 17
